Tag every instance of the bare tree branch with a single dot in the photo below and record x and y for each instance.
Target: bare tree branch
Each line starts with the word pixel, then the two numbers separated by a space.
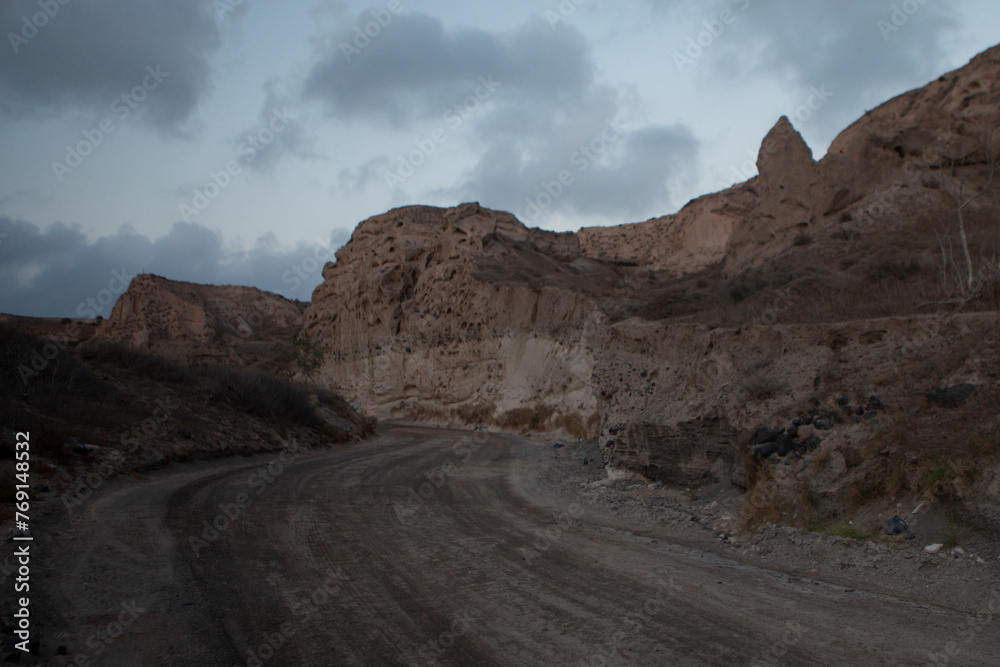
pixel 953 182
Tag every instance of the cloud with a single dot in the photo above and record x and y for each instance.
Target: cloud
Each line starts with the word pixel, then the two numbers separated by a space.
pixel 413 68
pixel 55 271
pixel 840 45
pixel 293 138
pixel 87 54
pixel 19 195
pixel 591 165
pixel 541 117
pixel 353 181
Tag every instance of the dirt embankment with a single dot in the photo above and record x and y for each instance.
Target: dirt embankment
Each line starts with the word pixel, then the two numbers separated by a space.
pixel 107 409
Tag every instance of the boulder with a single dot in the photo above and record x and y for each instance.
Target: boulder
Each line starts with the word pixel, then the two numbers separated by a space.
pixel 763 451
pixel 765 434
pixel 895 526
pixel 952 397
pixel 783 444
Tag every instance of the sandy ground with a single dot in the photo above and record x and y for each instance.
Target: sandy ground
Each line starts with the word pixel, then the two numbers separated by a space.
pixel 427 546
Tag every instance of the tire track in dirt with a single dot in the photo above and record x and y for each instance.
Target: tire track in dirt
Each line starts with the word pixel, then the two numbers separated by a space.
pixel 321 570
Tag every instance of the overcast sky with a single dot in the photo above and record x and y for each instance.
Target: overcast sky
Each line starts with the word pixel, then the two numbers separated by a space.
pixel 240 142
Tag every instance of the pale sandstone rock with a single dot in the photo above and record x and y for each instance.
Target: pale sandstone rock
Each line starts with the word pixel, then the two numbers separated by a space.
pixel 184 321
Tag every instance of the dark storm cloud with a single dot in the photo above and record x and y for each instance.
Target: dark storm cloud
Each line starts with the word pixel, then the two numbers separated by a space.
pixel 598 166
pixel 86 54
pixel 414 68
pixel 538 108
pixel 823 42
pixel 538 158
pixel 58 272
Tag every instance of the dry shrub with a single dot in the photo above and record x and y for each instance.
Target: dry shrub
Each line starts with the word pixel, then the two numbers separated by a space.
pixel 883 478
pixel 761 386
pixel 823 457
pixel 47 391
pixel 271 398
pixel 838 529
pixel 675 302
pixel 764 503
pixel 528 418
pixel 419 412
pixel 476 413
pixel 892 266
pixel 984 443
pixel 574 424
pixel 138 361
pixel 594 423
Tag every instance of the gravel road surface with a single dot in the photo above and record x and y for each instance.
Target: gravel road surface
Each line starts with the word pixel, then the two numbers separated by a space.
pixel 426 546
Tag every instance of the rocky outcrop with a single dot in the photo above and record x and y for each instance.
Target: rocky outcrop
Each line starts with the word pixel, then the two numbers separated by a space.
pixel 201 323
pixel 882 170
pixel 696 237
pixel 881 173
pixel 440 313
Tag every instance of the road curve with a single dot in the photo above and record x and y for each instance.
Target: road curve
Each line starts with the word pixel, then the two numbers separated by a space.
pixel 427 547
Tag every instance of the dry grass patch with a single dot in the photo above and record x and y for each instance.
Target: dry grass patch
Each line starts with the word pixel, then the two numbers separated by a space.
pixel 477 413
pixel 761 386
pixel 534 418
pixel 764 502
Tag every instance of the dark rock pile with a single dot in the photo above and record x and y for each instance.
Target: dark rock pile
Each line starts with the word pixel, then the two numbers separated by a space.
pixel 802 435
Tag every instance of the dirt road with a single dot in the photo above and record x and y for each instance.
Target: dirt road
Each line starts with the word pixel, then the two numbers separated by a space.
pixel 436 547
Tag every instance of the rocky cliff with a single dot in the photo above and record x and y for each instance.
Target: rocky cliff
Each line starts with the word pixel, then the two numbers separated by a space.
pixel 201 323
pixel 696 237
pixel 461 314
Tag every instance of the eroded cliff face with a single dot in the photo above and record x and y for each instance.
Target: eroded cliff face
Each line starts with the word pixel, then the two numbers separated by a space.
pixel 880 173
pixel 696 237
pixel 883 172
pixel 201 323
pixel 460 314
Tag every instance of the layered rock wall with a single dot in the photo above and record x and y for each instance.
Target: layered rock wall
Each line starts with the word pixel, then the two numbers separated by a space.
pixel 434 312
